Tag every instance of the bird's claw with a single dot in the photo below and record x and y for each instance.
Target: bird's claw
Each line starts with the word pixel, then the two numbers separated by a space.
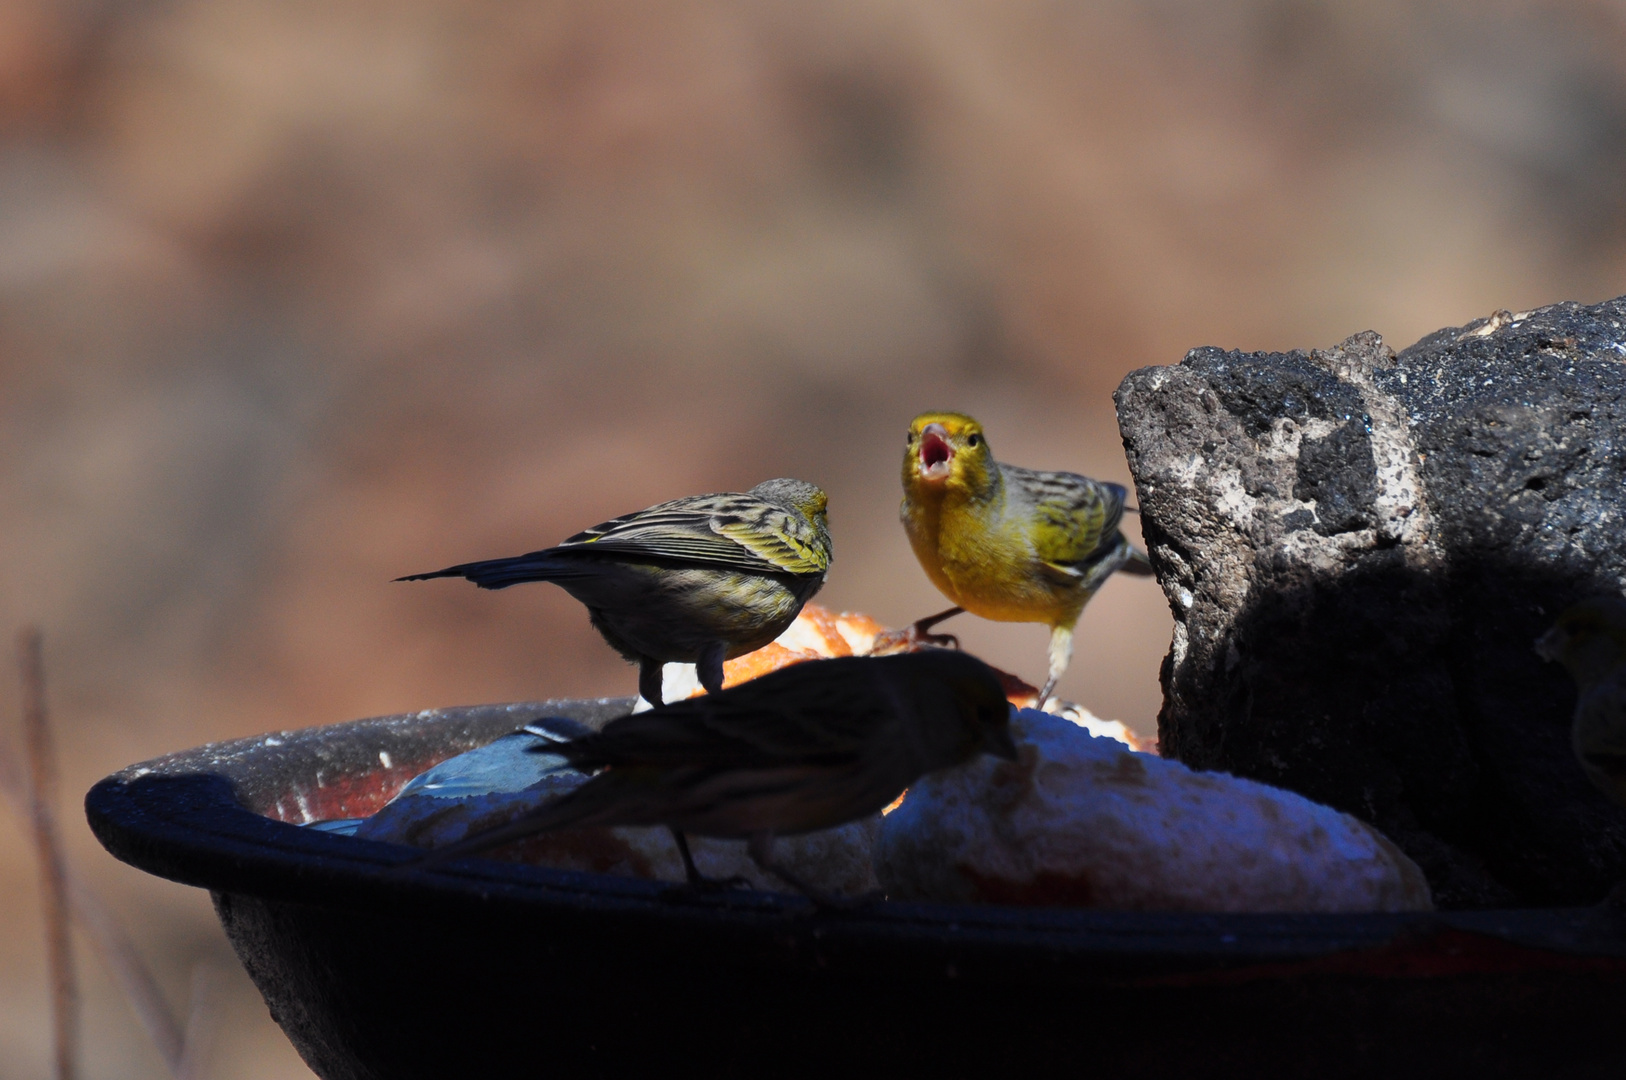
pixel 705 886
pixel 916 634
pixel 910 640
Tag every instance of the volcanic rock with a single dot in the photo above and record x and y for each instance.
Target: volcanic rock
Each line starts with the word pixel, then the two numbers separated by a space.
pixel 1359 549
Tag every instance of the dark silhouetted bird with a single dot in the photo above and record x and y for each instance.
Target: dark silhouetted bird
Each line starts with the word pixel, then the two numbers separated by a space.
pixel 811 746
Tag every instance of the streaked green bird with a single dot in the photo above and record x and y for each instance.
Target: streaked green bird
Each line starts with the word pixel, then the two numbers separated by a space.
pixel 808 747
pixel 1589 639
pixel 697 580
pixel 1004 542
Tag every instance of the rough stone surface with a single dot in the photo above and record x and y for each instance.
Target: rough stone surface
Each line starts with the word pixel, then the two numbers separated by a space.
pixel 1359 549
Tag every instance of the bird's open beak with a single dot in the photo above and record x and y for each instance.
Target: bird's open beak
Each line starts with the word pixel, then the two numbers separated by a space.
pixel 1550 644
pixel 935 453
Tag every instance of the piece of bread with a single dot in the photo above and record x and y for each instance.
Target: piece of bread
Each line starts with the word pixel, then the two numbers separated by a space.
pixel 1084 821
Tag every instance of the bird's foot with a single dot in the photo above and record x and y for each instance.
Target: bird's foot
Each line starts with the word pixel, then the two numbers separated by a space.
pixel 691 888
pixel 651 673
pixel 1047 700
pixel 709 668
pixel 695 881
pixel 911 638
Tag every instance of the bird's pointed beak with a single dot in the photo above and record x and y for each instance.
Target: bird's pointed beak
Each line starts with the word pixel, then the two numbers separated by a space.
pixel 936 453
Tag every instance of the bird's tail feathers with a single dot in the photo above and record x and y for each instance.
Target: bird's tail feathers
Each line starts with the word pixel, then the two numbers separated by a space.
pixel 600 801
pixel 1137 565
pixel 557 813
pixel 450 571
pixel 501 573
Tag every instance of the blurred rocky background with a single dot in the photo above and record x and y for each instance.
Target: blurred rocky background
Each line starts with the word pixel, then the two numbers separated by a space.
pixel 298 297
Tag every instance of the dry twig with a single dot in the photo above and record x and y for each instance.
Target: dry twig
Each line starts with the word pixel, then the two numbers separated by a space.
pixel 111 945
pixel 106 937
pixel 117 953
pixel 202 1022
pixel 53 878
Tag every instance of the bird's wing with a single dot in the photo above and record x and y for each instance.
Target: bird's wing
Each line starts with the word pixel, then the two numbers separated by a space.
pixel 816 712
pixel 785 538
pixel 1074 518
pixel 733 530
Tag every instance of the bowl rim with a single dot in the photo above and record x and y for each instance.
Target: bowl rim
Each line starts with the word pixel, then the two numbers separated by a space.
pixel 199 817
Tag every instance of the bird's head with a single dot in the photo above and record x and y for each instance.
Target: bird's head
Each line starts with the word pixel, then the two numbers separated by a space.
pixel 961 706
pixel 1589 639
pixel 807 499
pixel 991 719
pixel 946 449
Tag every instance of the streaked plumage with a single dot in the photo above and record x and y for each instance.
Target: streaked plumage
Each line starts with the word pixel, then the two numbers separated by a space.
pixel 1007 543
pixel 695 580
pixel 808 747
pixel 1589 639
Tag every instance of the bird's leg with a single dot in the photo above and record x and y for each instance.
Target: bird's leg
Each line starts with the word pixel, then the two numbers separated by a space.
pixel 697 880
pixel 760 846
pixel 710 667
pixel 922 626
pixel 690 870
pixel 1061 653
pixel 910 638
pixel 649 680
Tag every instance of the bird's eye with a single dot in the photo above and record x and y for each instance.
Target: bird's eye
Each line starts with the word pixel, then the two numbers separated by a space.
pixel 973 440
pixel 908 437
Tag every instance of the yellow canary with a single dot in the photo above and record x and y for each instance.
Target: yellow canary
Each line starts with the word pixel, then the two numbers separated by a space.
pixel 697 580
pixel 1008 543
pixel 1589 639
pixel 808 747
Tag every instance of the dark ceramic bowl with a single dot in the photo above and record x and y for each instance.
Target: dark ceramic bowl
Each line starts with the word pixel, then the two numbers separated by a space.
pixel 488 969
